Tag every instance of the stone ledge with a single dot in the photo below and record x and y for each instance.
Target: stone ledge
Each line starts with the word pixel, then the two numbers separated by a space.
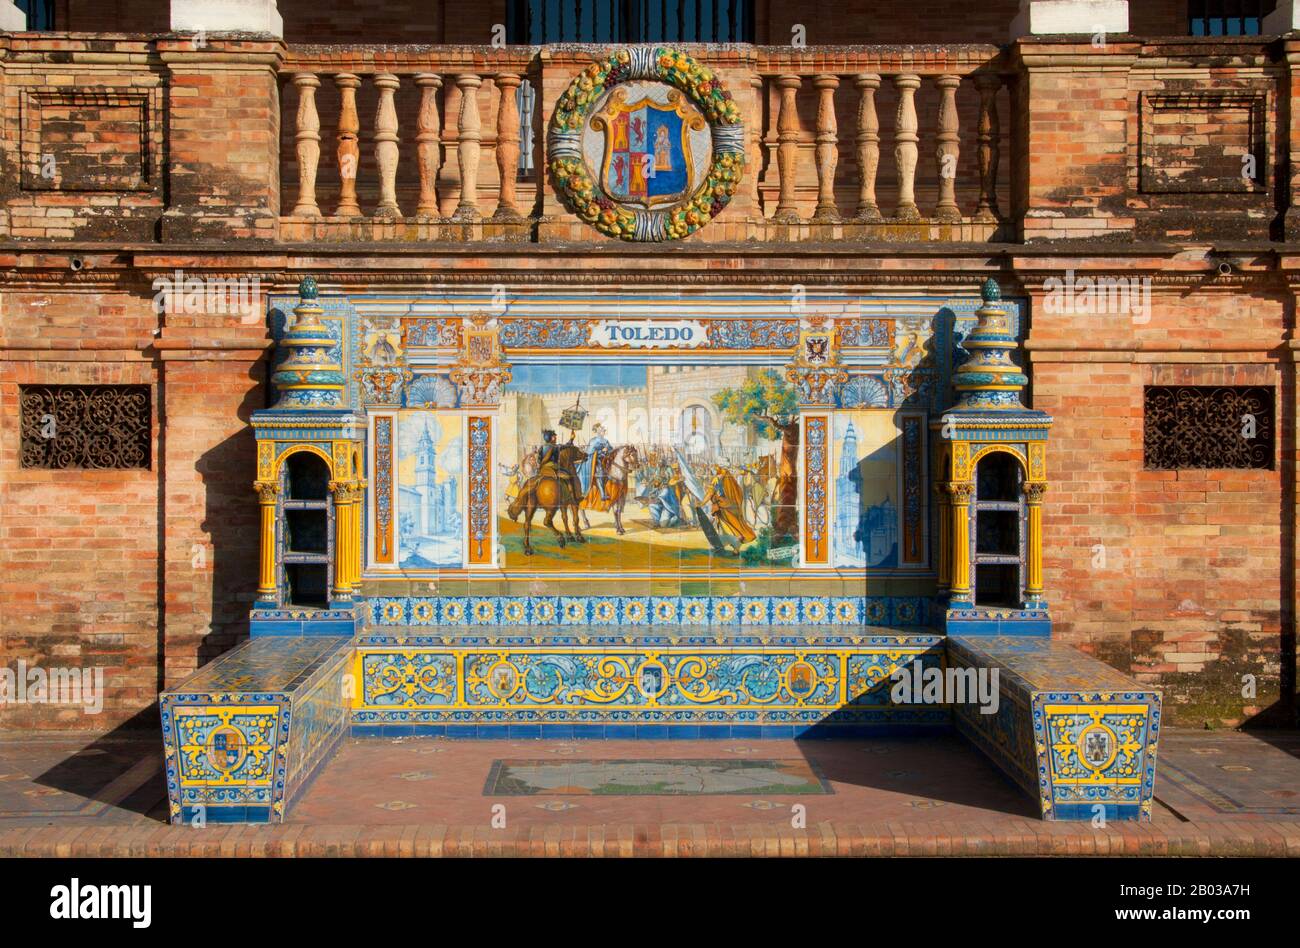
pixel 1018 837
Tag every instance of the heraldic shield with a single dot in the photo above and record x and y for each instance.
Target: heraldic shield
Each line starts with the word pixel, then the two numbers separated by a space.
pixel 647 148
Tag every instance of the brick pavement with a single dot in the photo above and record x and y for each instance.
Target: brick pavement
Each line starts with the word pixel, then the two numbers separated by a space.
pixel 935 797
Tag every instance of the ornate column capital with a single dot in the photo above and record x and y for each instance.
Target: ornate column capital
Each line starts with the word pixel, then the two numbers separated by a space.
pixel 267 491
pixel 961 492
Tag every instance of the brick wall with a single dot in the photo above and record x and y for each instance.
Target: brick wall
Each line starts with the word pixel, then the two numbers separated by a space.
pixel 78 548
pixel 1174 576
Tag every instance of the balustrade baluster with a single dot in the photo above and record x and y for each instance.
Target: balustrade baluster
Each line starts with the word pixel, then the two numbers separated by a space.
pixel 307 145
pixel 467 150
pixel 905 146
pixel 868 141
pixel 386 139
pixel 428 140
pixel 754 157
pixel 787 152
pixel 990 144
pixel 947 150
pixel 349 150
pixel 827 152
pixel 507 146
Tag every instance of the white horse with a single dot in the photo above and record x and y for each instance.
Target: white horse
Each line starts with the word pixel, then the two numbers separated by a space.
pixel 622 462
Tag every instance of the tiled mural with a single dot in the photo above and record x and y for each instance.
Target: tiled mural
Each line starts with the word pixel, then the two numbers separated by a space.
pixel 679 467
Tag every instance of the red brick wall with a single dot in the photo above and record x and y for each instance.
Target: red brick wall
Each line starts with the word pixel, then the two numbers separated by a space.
pixel 145 573
pixel 1174 576
pixel 78 548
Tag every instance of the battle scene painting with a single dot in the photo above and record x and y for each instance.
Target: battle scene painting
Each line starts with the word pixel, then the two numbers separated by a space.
pixel 648 467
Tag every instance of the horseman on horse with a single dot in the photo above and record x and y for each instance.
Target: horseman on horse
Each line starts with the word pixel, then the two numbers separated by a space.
pixel 549 464
pixel 554 488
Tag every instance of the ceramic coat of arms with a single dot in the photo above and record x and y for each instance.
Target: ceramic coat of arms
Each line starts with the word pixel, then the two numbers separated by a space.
pixel 646 145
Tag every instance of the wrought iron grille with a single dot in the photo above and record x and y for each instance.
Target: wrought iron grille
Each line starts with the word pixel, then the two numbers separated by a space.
pixel 86 426
pixel 1208 426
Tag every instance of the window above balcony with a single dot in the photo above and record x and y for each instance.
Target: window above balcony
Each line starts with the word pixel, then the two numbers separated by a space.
pixel 534 22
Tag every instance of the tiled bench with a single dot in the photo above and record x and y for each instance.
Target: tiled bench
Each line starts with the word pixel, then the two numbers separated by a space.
pixel 245 734
pixel 1076 734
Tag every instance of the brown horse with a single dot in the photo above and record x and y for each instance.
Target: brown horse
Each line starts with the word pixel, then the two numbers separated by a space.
pixel 618 465
pixel 545 491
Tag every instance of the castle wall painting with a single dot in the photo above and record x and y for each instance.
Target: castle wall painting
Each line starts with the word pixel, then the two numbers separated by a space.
pixel 654 467
pixel 866 524
pixel 430 498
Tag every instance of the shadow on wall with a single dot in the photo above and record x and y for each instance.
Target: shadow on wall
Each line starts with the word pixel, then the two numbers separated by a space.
pixel 230 528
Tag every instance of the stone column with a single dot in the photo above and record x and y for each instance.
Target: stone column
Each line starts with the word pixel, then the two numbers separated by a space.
pixel 947 150
pixel 906 136
pixel 428 138
pixel 307 143
pixel 386 139
pixel 989 152
pixel 868 141
pixel 507 85
pixel 349 151
pixel 827 148
pixel 344 499
pixel 470 131
pixel 787 151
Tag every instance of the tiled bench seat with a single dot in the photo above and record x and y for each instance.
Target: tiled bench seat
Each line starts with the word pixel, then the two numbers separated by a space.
pixel 246 733
pixel 1077 735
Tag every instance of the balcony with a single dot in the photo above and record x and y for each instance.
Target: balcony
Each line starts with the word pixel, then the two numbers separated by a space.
pixel 419 143
pixel 163 138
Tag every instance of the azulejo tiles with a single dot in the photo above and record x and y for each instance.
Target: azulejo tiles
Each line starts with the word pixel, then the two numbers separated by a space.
pixel 639 611
pixel 1074 733
pixel 795 678
pixel 244 734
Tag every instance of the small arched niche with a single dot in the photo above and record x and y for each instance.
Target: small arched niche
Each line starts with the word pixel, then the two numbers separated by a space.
pixel 998 531
pixel 306 530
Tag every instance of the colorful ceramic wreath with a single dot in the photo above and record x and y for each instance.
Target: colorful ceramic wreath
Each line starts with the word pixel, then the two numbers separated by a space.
pixel 586 198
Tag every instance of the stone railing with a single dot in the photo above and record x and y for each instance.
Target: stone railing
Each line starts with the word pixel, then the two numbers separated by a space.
pixel 417 143
pixel 247 138
pixel 406 144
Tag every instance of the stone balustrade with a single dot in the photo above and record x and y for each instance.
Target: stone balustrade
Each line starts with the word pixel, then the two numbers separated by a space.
pixel 249 138
pixel 841 143
pixel 423 144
